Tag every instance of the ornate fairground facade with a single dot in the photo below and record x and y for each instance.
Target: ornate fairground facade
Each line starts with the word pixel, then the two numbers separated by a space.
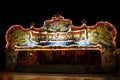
pixel 58 43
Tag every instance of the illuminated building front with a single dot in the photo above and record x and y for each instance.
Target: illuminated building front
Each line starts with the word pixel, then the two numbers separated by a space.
pixel 58 41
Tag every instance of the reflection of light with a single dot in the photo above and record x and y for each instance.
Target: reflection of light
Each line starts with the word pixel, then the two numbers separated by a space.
pixel 82 43
pixel 58 43
pixel 32 43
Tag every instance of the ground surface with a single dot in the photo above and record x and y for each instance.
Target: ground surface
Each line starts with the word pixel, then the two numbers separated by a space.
pixel 41 76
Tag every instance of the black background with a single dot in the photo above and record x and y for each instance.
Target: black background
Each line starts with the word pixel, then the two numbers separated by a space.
pixel 23 13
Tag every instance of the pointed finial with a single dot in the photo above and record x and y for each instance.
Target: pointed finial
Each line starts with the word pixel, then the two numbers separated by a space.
pixel 57 15
pixel 83 21
pixel 32 24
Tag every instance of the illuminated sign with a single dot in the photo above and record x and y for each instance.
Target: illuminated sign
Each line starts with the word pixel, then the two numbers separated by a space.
pixel 61 32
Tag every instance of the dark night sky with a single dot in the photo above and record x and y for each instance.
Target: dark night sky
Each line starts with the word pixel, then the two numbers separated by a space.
pixel 23 13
